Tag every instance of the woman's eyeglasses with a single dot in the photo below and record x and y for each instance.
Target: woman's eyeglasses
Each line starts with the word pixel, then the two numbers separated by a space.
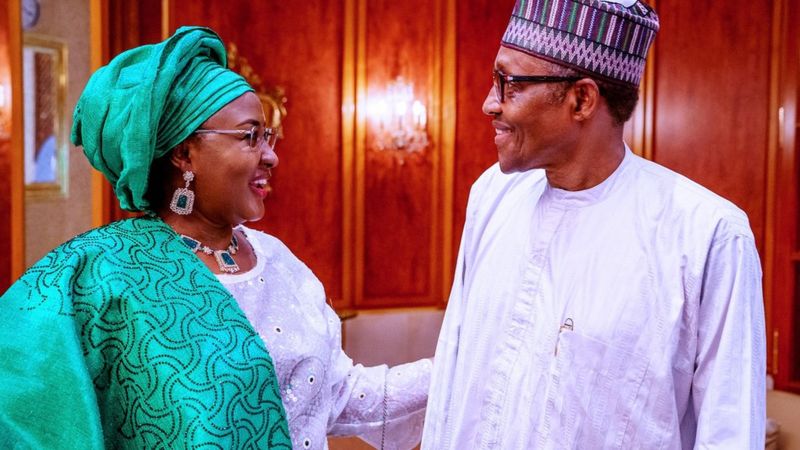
pixel 252 136
pixel 500 81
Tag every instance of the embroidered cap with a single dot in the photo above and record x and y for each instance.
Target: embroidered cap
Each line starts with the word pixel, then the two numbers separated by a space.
pixel 608 39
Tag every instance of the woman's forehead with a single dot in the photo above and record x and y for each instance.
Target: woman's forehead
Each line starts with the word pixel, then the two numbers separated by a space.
pixel 244 109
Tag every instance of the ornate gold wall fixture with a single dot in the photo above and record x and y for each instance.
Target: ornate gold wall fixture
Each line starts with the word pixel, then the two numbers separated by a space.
pixel 272 98
pixel 399 119
pixel 409 190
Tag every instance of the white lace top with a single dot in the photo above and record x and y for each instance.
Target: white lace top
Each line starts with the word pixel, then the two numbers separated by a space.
pixel 322 390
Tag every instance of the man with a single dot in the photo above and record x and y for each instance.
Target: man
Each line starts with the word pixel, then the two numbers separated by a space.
pixel 600 300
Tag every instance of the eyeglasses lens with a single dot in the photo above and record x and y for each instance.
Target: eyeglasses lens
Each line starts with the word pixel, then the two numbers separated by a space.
pixel 268 135
pixel 271 137
pixel 253 138
pixel 499 85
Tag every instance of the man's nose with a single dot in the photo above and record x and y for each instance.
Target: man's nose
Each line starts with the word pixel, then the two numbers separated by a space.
pixel 491 107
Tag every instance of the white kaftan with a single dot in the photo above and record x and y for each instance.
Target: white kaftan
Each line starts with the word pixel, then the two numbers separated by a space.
pixel 657 284
pixel 322 391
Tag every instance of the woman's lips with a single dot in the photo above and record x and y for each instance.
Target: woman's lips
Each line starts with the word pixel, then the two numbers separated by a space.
pixel 260 186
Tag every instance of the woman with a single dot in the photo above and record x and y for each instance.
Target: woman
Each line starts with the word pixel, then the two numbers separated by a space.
pixel 162 331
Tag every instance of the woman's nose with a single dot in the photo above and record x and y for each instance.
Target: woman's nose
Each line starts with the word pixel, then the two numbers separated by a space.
pixel 268 157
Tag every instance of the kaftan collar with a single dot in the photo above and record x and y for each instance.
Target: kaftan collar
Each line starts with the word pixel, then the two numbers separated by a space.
pixel 593 195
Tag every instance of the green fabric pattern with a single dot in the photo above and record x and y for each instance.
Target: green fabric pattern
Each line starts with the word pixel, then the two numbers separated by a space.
pixel 122 338
pixel 146 101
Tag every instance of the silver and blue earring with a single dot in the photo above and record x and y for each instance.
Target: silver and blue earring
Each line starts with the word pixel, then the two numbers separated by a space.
pixel 183 198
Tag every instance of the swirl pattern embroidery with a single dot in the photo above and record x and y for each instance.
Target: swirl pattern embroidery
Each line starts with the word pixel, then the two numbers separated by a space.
pixel 173 360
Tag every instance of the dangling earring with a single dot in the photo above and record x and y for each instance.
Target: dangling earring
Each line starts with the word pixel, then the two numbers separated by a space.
pixel 183 198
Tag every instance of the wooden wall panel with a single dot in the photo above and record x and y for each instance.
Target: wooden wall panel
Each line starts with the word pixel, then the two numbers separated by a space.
pixel 5 149
pixel 481 24
pixel 126 24
pixel 400 221
pixel 712 98
pixel 5 212
pixel 12 198
pixel 782 262
pixel 299 49
pixel 133 23
pixel 710 123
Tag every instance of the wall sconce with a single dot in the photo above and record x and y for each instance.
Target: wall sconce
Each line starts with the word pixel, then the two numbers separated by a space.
pixel 5 132
pixel 399 120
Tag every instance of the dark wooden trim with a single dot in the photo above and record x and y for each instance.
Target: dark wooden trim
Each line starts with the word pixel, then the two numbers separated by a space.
pixel 17 244
pixel 784 215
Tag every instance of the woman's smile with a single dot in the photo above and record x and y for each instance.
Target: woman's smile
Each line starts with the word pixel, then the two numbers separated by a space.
pixel 260 184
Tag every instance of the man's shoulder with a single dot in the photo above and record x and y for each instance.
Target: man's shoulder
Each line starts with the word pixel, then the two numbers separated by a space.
pixel 684 198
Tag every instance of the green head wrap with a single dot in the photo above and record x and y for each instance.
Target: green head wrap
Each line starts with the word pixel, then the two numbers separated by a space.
pixel 146 101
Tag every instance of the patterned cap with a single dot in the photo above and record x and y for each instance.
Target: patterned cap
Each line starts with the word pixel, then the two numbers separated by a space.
pixel 608 39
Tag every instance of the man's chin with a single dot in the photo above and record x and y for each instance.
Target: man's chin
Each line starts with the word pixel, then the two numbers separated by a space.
pixel 508 167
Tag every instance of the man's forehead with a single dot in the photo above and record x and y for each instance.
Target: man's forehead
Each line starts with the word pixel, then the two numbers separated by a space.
pixel 509 59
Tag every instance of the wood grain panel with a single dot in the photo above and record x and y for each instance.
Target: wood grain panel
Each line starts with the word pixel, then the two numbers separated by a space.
pixel 299 49
pixel 5 150
pixel 133 23
pixel 481 24
pixel 125 24
pixel 5 207
pixel 12 199
pixel 784 209
pixel 712 98
pixel 400 220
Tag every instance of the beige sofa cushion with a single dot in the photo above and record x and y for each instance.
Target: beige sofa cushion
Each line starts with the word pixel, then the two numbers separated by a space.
pixel 784 409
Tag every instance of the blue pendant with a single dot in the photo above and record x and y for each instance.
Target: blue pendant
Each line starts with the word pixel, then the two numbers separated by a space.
pixel 224 258
pixel 225 261
pixel 193 244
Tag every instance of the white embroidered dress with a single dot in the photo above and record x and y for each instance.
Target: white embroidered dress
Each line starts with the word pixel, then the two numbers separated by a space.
pixel 657 284
pixel 322 390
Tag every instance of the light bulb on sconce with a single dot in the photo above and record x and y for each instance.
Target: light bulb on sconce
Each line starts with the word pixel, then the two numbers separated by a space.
pixel 399 121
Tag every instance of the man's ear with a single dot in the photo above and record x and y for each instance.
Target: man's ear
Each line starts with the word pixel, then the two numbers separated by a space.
pixel 180 157
pixel 587 99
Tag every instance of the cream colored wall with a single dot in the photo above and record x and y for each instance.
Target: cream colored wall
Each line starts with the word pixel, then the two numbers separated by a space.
pixel 784 408
pixel 390 337
pixel 51 221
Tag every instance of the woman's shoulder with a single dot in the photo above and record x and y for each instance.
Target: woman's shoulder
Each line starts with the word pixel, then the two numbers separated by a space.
pixel 274 250
pixel 130 243
pixel 265 243
pixel 137 232
pixel 97 254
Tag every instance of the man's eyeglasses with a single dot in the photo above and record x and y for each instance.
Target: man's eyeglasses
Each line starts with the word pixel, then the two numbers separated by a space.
pixel 500 81
pixel 252 136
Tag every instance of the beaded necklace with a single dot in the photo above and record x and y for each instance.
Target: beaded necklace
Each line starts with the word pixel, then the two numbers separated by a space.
pixel 224 257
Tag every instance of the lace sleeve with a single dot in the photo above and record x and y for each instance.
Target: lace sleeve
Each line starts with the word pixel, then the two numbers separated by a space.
pixel 367 395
